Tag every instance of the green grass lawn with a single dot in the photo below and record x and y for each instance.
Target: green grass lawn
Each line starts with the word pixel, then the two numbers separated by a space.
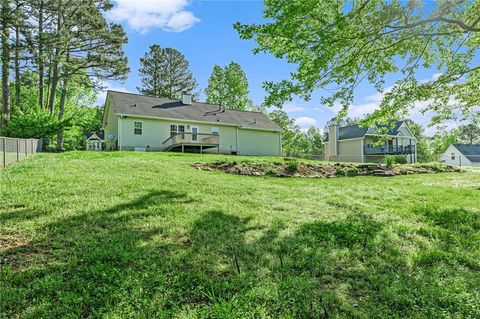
pixel 145 235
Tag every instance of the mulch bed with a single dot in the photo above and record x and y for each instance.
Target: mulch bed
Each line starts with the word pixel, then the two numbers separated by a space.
pixel 297 169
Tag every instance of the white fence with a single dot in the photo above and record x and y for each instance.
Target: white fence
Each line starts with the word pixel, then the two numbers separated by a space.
pixel 16 149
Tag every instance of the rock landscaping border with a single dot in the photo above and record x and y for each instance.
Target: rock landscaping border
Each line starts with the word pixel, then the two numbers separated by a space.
pixel 293 168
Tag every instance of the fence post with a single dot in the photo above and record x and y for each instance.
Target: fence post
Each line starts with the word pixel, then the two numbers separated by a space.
pixel 4 144
pixel 26 150
pixel 18 149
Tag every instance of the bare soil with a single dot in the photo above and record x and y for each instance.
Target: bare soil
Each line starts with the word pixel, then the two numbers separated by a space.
pixel 297 169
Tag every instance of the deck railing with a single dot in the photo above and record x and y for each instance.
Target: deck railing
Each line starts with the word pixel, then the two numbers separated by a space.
pixel 192 138
pixel 390 150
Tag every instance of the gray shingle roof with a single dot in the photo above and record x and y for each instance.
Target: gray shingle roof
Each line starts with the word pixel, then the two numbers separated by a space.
pixel 88 135
pixel 471 151
pixel 141 105
pixel 356 131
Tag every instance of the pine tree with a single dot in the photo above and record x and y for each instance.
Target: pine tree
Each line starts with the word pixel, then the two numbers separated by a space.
pixel 6 21
pixel 87 47
pixel 229 87
pixel 165 73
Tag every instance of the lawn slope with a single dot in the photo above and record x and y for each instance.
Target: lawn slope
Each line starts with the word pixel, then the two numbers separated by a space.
pixel 145 235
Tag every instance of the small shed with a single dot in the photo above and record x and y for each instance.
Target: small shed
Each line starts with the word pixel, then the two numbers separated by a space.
pixel 462 155
pixel 94 142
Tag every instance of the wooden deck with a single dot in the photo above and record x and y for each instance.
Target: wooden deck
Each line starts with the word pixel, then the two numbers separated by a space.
pixel 187 141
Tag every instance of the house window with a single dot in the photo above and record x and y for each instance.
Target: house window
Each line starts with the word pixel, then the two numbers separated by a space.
pixel 138 128
pixel 215 131
pixel 453 156
pixel 175 129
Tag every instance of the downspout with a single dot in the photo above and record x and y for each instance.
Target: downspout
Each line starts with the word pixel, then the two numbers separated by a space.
pixel 120 133
pixel 236 137
pixel 362 149
pixel 280 143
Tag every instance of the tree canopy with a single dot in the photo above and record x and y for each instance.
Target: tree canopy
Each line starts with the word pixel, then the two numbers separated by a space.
pixel 336 45
pixel 165 72
pixel 55 49
pixel 229 87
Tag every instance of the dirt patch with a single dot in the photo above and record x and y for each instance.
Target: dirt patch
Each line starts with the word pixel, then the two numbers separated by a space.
pixel 18 252
pixel 10 241
pixel 292 168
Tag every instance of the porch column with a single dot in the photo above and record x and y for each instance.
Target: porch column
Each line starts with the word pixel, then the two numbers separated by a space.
pixel 411 158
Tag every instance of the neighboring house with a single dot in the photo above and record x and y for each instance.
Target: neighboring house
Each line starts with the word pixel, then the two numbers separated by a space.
pixel 94 141
pixel 353 143
pixel 462 155
pixel 145 123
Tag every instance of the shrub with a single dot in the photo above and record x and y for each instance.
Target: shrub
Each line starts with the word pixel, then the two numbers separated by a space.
pixel 436 166
pixel 399 159
pixel 271 172
pixel 293 166
pixel 352 171
pixel 389 160
pixel 340 171
pixel 395 159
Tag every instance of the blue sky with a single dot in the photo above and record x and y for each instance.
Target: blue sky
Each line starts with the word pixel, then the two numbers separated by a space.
pixel 202 31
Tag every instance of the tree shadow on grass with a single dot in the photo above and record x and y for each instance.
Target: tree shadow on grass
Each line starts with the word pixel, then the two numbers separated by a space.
pixel 87 264
pixel 113 263
pixel 355 267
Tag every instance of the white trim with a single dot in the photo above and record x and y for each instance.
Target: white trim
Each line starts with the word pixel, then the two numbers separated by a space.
pixel 362 150
pixel 94 134
pixel 195 121
pixel 134 128
pixel 409 130
pixel 460 157
pixel 238 145
pixel 105 110
pixel 177 125
pixel 350 139
pixel 120 132
pixel 257 129
pixel 196 134
pixel 280 144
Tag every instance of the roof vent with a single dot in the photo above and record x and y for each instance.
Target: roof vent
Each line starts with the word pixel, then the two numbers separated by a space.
pixel 186 98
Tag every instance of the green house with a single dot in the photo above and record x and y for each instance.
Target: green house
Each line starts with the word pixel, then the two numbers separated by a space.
pixel 146 123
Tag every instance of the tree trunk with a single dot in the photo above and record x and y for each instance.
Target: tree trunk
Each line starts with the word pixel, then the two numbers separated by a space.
pixel 17 54
pixel 61 112
pixel 41 66
pixel 5 62
pixel 54 77
pixel 54 84
pixel 48 81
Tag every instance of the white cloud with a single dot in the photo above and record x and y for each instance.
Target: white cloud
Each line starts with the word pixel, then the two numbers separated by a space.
pixel 102 95
pixel 305 121
pixel 434 77
pixel 446 126
pixel 293 108
pixel 167 15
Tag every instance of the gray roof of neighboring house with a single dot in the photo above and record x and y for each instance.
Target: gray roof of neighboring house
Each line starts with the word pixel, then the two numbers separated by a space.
pixel 356 131
pixel 471 151
pixel 141 105
pixel 88 135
